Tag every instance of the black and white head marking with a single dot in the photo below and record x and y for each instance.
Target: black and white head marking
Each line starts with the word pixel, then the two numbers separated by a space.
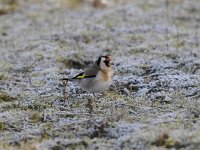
pixel 103 61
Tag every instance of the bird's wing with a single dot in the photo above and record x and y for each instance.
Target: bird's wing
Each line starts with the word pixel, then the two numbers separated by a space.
pixel 79 76
pixel 89 73
pixel 93 71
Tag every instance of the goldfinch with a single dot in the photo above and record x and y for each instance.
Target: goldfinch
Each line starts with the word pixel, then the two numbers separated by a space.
pixel 98 77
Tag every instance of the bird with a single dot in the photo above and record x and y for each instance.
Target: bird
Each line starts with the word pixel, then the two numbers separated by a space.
pixel 96 78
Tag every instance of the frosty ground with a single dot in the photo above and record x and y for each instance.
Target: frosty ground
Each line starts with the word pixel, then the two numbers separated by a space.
pixel 154 102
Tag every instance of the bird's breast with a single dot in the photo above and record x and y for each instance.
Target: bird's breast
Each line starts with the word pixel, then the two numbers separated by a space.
pixel 106 75
pixel 99 83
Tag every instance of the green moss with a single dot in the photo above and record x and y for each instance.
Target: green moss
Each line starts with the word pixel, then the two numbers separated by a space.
pixel 9 105
pixel 44 135
pixel 170 143
pixel 5 66
pixel 4 97
pixel 3 77
pixel 35 117
pixel 144 66
pixel 172 55
pixel 69 115
pixel 62 44
pixel 134 51
pixel 180 44
pixel 166 141
pixel 134 88
pixel 2 126
pixel 35 106
pixel 48 126
pixel 8 6
pixel 73 3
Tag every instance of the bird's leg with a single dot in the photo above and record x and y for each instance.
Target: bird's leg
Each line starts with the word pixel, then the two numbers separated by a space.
pixel 89 105
pixel 103 93
pixel 94 99
pixel 65 92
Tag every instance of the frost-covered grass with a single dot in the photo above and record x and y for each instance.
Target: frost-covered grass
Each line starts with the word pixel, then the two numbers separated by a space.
pixel 154 101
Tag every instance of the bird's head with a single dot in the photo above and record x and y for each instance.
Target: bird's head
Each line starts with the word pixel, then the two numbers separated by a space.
pixel 104 62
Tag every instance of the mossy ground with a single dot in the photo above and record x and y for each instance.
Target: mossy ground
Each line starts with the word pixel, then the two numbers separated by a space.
pixel 154 102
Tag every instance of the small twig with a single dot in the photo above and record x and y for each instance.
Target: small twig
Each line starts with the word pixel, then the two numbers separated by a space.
pixel 181 64
pixel 194 96
pixel 195 69
pixel 166 29
pixel 64 92
pixel 177 37
pixel 196 35
pixel 44 116
pixel 12 128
